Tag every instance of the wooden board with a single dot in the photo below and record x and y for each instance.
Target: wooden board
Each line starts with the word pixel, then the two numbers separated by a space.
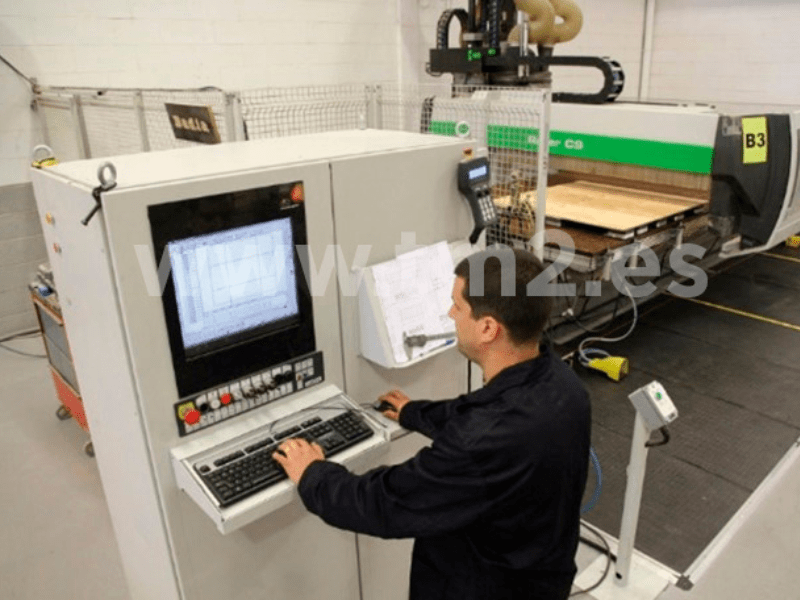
pixel 581 168
pixel 609 207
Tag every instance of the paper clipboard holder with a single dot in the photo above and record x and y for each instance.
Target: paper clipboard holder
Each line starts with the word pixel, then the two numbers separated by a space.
pixel 374 335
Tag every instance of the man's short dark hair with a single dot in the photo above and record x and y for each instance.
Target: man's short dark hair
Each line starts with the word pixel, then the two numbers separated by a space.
pixel 506 273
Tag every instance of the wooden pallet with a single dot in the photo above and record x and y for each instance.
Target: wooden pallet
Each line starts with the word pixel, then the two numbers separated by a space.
pixel 615 211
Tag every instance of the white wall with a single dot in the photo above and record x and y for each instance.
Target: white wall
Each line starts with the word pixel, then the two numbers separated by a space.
pixel 234 44
pixel 727 52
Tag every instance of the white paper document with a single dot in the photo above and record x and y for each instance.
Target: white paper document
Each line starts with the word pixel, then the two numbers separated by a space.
pixel 414 291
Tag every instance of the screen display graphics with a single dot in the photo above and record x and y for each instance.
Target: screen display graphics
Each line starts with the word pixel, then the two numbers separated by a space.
pixel 231 282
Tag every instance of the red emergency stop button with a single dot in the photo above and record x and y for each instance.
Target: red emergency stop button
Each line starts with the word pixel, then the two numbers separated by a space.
pixel 192 417
pixel 225 398
pixel 297 194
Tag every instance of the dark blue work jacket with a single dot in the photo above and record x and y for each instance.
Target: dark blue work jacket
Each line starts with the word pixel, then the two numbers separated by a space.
pixel 494 502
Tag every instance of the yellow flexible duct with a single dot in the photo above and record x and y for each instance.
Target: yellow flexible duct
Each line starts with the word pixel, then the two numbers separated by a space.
pixel 542 20
pixel 573 21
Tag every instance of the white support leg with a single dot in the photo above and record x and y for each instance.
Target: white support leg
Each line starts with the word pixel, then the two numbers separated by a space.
pixel 633 499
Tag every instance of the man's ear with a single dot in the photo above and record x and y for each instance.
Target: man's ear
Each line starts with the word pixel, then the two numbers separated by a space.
pixel 490 329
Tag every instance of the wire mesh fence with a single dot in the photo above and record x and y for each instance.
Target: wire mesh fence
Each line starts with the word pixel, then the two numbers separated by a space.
pixel 110 129
pixel 506 122
pixel 59 125
pixel 278 112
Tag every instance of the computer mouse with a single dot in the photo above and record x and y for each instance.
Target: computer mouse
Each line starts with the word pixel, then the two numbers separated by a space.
pixel 384 406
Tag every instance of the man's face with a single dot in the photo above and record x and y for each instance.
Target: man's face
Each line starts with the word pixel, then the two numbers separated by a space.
pixel 466 326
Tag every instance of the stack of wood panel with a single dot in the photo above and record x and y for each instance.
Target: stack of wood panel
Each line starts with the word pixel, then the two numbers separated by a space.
pixel 614 209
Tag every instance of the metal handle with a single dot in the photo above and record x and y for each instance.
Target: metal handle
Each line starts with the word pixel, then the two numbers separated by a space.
pixel 107 182
pixel 40 148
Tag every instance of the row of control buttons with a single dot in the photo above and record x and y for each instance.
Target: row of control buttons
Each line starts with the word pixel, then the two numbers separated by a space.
pixel 248 393
pixel 488 211
pixel 213 412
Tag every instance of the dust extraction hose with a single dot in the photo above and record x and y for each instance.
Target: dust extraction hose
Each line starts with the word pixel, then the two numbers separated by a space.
pixel 542 18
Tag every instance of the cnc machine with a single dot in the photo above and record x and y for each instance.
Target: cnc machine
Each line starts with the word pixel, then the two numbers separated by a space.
pixel 623 176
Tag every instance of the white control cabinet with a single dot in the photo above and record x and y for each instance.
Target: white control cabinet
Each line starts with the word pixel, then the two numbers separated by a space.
pixel 374 189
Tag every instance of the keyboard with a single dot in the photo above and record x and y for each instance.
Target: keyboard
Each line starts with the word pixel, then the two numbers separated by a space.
pixel 246 470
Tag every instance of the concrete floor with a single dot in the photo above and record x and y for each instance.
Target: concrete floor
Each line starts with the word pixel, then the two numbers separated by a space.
pixel 58 543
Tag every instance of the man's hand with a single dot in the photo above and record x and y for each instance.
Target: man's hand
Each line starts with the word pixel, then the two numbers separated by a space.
pixel 397 400
pixel 297 455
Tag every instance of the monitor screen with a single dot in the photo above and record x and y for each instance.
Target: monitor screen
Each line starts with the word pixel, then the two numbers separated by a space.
pixel 236 300
pixel 231 282
pixel 481 171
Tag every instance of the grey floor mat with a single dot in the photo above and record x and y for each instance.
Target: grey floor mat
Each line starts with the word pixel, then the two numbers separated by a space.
pixel 723 330
pixel 683 506
pixel 734 381
pixel 755 293
pixel 728 373
pixel 768 270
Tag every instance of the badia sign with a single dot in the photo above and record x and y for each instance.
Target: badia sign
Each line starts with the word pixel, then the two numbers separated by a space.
pixel 193 123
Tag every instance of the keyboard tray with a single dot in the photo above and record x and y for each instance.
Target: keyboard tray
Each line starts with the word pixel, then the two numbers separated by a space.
pixel 244 471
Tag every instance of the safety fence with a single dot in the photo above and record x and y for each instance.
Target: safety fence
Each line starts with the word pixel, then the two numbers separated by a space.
pixel 92 123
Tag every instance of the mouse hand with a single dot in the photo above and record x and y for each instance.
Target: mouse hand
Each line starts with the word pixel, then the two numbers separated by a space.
pixel 391 403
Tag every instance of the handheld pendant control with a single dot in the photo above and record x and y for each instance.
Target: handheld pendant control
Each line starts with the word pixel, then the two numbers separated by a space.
pixel 473 182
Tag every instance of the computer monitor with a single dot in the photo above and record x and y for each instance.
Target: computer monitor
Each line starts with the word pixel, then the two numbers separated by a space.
pixel 230 284
pixel 236 300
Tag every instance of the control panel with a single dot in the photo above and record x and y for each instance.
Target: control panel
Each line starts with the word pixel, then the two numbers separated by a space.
pixel 654 404
pixel 473 183
pixel 234 398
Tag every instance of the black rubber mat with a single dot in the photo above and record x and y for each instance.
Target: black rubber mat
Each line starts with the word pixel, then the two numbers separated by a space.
pixel 785 250
pixel 718 372
pixel 683 507
pixel 751 286
pixel 724 330
pixel 768 270
pixel 734 381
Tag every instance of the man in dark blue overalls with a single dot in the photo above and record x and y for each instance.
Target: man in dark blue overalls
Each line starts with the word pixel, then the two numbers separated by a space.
pixel 494 502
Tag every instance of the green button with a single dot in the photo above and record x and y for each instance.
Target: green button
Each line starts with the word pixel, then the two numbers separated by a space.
pixel 658 395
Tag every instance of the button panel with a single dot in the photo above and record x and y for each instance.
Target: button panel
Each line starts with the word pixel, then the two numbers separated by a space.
pixel 486 205
pixel 236 397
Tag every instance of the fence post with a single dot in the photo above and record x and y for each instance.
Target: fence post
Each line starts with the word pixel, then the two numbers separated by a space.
pixel 374 106
pixel 542 166
pixel 36 106
pixel 233 117
pixel 138 105
pixel 82 136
